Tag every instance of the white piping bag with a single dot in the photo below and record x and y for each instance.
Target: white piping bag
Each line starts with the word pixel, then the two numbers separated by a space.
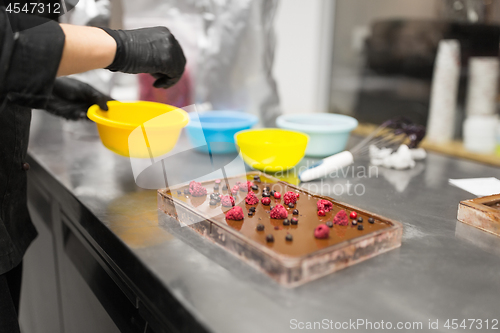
pixel 326 166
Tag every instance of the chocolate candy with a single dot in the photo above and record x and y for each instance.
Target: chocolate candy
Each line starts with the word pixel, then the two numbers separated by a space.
pixel 260 227
pixel 294 221
pixel 329 224
pixel 286 222
pixel 255 187
pixel 266 194
pixel 213 202
pixel 291 205
pixel 289 238
pixel 186 191
pixel 295 212
pixel 269 238
pixel 360 227
pixel 371 220
pixel 360 219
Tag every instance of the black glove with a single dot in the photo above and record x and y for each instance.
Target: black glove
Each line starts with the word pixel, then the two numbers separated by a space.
pixel 71 98
pixel 149 50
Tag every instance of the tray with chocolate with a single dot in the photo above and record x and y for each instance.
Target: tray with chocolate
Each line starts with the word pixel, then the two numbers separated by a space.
pixel 482 213
pixel 287 232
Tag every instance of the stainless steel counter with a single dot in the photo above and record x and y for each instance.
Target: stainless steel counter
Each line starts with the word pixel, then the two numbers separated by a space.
pixel 443 270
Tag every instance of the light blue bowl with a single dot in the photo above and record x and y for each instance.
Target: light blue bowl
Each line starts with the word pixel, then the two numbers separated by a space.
pixel 328 132
pixel 214 130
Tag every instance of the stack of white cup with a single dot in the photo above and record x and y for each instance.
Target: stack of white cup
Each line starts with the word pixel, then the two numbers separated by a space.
pixel 480 125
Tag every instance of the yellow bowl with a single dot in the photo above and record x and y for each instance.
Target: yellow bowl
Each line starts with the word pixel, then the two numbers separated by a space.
pixel 139 129
pixel 271 149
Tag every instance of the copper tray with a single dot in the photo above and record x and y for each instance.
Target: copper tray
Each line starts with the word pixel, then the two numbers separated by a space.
pixel 288 270
pixel 482 213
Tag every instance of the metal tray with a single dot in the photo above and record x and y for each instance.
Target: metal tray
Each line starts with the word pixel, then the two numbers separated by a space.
pixel 289 271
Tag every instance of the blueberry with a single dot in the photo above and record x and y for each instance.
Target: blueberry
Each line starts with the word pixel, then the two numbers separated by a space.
pixel 286 222
pixel 271 207
pixel 213 202
pixel 360 227
pixel 289 238
pixel 371 220
pixel 186 191
pixel 224 188
pixel 250 213
pixel 291 205
pixel 272 192
pixel 252 209
pixel 260 227
pixel 295 212
pixel 179 192
pixel 360 219
pixel 256 177
pixel 255 187
pixel 267 188
pixel 266 194
pixel 294 220
pixel 216 187
pixel 329 224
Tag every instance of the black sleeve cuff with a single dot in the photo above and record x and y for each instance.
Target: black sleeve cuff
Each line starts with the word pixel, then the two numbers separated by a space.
pixel 34 61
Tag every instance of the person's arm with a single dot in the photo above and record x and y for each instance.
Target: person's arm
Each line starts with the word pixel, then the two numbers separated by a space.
pixel 85 48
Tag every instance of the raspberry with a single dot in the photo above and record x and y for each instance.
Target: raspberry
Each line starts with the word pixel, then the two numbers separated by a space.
pixel 324 205
pixel 235 189
pixel 227 201
pixel 278 212
pixel 290 197
pixel 196 189
pixel 251 198
pixel 245 187
pixel 321 231
pixel 235 213
pixel 266 201
pixel 341 218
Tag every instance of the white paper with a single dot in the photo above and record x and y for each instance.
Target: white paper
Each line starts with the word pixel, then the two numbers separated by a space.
pixel 478 186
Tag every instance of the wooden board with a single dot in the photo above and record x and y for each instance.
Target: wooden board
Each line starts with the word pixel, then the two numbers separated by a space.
pixel 452 148
pixel 289 263
pixel 482 213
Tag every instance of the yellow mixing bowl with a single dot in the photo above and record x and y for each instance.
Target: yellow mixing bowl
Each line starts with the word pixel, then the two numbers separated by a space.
pixel 272 149
pixel 139 129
